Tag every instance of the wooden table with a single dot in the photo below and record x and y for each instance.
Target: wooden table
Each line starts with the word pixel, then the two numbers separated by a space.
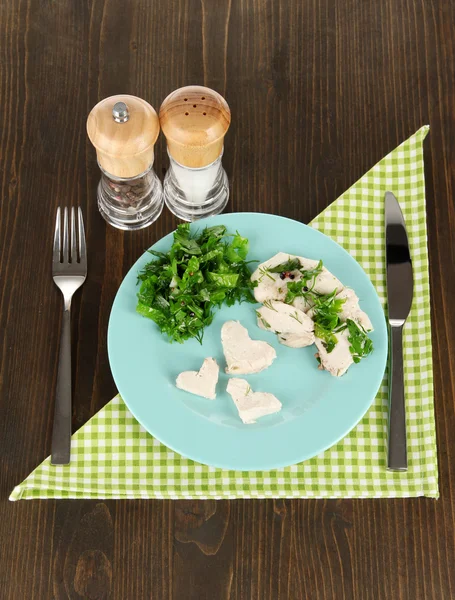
pixel 319 91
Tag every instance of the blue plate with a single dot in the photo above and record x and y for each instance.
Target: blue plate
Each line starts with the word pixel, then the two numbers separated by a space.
pixel 318 409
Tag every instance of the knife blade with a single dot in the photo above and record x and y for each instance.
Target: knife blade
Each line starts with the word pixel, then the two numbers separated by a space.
pixel 400 289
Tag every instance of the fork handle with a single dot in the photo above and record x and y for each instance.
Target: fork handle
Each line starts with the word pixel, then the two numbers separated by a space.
pixel 61 433
pixel 397 459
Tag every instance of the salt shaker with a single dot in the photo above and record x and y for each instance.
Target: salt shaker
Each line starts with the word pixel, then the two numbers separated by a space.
pixel 124 130
pixel 195 120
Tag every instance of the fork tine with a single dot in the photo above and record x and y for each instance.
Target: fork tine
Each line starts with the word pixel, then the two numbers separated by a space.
pixel 56 256
pixel 65 236
pixel 73 236
pixel 82 246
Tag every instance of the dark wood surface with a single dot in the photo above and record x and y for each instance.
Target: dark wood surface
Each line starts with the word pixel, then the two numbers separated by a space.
pixel 319 91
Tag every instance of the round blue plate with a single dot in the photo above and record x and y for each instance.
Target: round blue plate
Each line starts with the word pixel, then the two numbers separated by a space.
pixel 318 409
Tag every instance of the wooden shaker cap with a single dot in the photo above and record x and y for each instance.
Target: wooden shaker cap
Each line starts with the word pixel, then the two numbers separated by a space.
pixel 124 147
pixel 195 120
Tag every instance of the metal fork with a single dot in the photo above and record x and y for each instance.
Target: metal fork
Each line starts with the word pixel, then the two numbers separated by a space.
pixel 69 270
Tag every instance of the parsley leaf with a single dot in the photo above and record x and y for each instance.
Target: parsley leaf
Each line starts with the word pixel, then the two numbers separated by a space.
pixel 304 286
pixel 361 345
pixel 292 264
pixel 326 317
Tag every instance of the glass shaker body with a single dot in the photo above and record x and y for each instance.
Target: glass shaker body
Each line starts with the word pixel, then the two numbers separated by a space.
pixel 130 203
pixel 194 120
pixel 195 193
pixel 123 129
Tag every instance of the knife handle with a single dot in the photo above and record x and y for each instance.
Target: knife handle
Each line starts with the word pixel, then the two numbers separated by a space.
pixel 397 458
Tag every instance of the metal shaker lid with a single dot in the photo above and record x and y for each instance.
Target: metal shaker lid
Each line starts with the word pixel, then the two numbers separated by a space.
pixel 120 112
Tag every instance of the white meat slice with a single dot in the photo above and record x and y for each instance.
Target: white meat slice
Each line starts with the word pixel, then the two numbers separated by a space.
pixel 244 355
pixel 352 310
pixel 272 287
pixel 202 382
pixel 302 304
pixel 325 282
pixel 293 327
pixel 251 405
pixel 294 340
pixel 340 359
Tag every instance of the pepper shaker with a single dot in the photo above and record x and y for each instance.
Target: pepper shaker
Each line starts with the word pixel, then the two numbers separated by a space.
pixel 124 130
pixel 195 120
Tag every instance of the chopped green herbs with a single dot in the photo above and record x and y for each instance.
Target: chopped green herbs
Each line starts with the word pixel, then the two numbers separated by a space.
pixel 181 288
pixel 361 345
pixel 292 264
pixel 327 323
pixel 304 286
pixel 326 309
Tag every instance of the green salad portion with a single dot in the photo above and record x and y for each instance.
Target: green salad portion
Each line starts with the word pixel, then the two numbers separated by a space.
pixel 181 288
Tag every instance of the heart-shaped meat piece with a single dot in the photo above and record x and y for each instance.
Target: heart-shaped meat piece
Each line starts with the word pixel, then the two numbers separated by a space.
pixel 244 355
pixel 202 382
pixel 251 405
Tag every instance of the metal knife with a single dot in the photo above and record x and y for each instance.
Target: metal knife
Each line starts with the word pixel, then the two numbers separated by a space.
pixel 400 287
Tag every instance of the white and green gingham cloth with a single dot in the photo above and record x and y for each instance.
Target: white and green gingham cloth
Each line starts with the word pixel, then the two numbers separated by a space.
pixel 112 456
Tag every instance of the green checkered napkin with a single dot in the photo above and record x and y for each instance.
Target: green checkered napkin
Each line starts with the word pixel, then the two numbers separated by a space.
pixel 112 456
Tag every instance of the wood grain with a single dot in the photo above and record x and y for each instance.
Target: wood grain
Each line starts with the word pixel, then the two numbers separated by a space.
pixel 319 91
pixel 124 149
pixel 194 120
